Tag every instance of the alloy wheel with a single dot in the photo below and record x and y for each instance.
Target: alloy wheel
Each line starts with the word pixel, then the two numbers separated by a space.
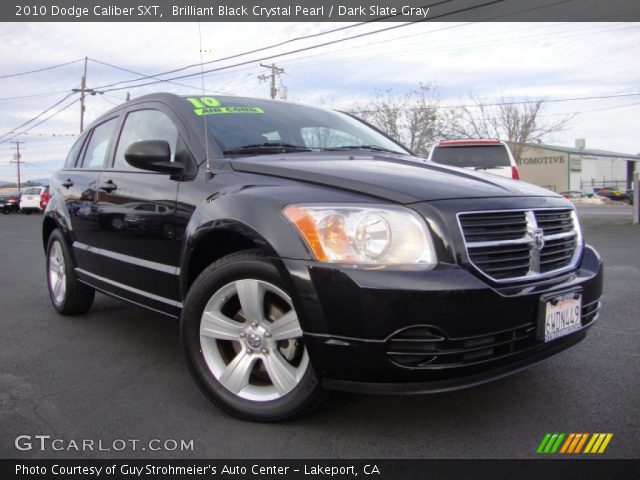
pixel 57 273
pixel 251 340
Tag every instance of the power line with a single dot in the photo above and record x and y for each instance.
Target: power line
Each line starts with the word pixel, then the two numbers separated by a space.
pixel 311 47
pixel 50 139
pixel 519 102
pixel 2 139
pixel 40 69
pixel 302 61
pixel 32 165
pixel 500 104
pixel 268 47
pixel 41 121
pixel 589 111
pixel 28 97
pixel 142 75
pixel 553 100
pixel 257 60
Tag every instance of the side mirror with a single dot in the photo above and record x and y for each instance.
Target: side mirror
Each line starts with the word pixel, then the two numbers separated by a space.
pixel 153 155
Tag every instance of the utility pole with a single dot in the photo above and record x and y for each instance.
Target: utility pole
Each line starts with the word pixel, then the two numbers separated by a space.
pixel 275 72
pixel 17 156
pixel 83 86
pixel 83 90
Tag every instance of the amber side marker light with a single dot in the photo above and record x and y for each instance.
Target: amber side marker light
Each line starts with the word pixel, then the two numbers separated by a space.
pixel 307 227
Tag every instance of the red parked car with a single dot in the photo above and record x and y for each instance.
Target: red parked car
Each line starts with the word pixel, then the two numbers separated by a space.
pixel 44 198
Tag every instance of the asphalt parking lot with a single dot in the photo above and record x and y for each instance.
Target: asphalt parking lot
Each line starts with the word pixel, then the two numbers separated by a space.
pixel 117 373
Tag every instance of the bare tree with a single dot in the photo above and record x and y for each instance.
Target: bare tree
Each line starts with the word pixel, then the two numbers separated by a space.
pixel 411 118
pixel 518 123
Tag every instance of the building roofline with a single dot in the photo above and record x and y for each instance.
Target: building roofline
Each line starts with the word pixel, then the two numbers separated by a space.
pixel 586 151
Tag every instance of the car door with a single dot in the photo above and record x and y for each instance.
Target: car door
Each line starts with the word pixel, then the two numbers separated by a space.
pixel 136 214
pixel 77 183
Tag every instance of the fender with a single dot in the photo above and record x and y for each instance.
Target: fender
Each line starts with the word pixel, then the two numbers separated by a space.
pixel 248 213
pixel 58 213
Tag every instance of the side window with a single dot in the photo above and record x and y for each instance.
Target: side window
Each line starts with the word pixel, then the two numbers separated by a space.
pixel 72 156
pixel 145 125
pixel 98 146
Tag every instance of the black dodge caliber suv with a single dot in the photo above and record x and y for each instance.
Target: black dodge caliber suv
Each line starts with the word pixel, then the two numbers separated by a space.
pixel 303 251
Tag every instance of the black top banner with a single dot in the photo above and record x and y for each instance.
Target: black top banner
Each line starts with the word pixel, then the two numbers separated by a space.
pixel 318 10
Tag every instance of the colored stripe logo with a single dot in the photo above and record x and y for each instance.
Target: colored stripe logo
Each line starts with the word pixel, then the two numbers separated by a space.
pixel 574 443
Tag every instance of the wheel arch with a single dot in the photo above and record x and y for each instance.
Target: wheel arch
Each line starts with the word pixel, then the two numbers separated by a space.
pixel 214 241
pixel 56 215
pixel 49 224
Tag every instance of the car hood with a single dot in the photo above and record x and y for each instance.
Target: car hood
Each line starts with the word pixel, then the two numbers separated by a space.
pixel 397 178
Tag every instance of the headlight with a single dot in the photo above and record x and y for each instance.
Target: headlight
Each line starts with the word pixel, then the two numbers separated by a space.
pixel 364 235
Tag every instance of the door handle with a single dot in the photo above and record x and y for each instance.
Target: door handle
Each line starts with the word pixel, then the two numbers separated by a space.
pixel 67 183
pixel 108 186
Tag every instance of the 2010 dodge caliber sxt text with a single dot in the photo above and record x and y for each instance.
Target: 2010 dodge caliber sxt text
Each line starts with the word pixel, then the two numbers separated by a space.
pixel 303 250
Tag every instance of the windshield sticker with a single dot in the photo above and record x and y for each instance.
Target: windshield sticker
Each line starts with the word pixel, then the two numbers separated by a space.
pixel 204 102
pixel 212 106
pixel 214 110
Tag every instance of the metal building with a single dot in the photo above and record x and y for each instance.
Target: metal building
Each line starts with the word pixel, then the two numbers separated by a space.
pixel 565 168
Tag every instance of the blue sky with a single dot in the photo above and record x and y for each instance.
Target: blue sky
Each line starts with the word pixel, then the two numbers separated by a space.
pixel 518 60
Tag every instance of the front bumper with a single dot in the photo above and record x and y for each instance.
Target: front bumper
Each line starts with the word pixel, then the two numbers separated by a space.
pixel 405 332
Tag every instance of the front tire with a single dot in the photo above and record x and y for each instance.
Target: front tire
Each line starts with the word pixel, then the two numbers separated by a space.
pixel 68 295
pixel 243 341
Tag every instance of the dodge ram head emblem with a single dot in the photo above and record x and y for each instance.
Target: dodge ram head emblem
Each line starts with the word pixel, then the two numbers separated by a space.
pixel 538 238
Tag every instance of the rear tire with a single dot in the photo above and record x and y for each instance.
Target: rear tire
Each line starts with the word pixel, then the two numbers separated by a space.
pixel 243 342
pixel 68 295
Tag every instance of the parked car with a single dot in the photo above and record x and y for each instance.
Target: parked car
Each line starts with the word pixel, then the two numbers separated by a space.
pixel 492 156
pixel 615 193
pixel 44 198
pixel 316 253
pixel 576 194
pixel 10 201
pixel 30 200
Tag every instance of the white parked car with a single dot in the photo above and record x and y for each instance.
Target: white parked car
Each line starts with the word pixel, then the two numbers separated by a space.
pixel 492 156
pixel 30 200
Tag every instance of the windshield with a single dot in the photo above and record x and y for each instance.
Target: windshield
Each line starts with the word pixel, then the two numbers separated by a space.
pixel 243 122
pixel 485 156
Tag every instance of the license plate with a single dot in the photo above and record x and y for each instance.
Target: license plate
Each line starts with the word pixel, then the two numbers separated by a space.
pixel 29 197
pixel 559 316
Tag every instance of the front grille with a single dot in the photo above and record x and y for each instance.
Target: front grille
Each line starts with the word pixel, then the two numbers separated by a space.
pixel 429 348
pixel 521 244
pixel 554 221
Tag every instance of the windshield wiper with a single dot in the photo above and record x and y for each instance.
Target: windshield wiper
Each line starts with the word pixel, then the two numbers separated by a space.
pixel 268 147
pixel 375 148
